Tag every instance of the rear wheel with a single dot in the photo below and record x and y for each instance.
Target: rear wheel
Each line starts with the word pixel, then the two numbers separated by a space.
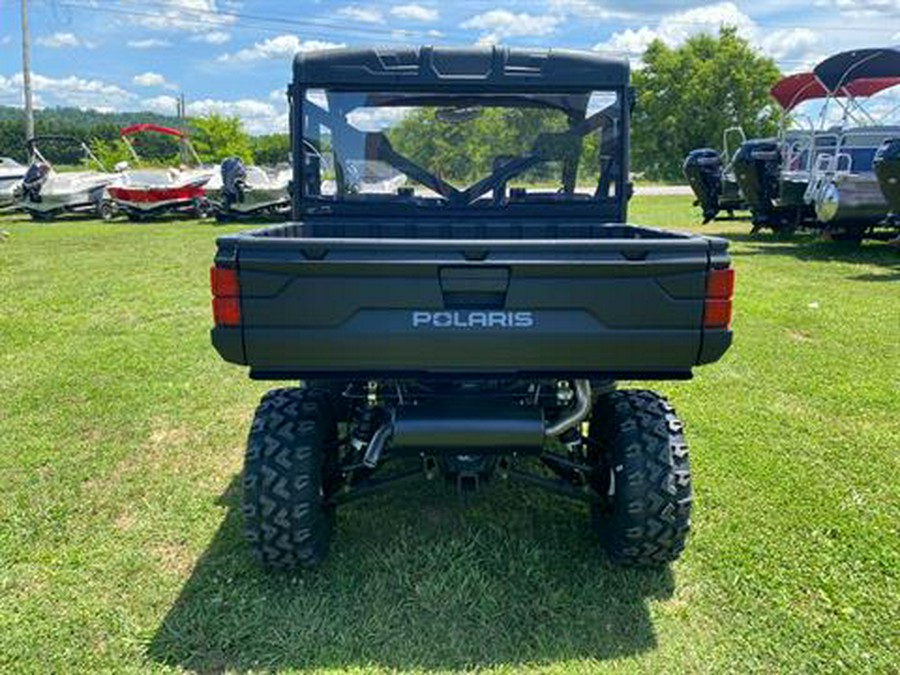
pixel 643 477
pixel 286 520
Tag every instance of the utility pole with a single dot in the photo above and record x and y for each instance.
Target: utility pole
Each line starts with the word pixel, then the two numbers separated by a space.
pixel 182 145
pixel 26 75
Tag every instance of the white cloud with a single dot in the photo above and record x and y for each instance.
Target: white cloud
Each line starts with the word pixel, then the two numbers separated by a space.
pixel 415 13
pixel 279 47
pixel 800 47
pixel 149 43
pixel 164 105
pixel 258 117
pixel 65 91
pixel 629 42
pixel 361 14
pixel 377 119
pixel 194 16
pixel 6 39
pixel 60 40
pixel 499 24
pixel 216 37
pixel 150 79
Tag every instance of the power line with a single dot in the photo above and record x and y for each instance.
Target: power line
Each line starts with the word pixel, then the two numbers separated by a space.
pixel 342 24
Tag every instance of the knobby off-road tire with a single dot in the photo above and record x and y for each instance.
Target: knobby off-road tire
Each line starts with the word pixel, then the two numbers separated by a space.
pixel 643 473
pixel 286 521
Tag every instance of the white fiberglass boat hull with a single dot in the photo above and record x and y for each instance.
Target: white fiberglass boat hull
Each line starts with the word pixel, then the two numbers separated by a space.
pixel 77 191
pixel 264 190
pixel 147 192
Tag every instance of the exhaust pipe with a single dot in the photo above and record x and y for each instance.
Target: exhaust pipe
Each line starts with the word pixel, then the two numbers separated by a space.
pixel 578 415
pixel 451 428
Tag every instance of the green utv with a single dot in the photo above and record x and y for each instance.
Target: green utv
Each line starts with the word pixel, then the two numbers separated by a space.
pixel 458 293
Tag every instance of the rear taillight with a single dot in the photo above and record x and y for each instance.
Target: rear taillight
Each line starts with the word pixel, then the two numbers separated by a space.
pixel 226 296
pixel 719 291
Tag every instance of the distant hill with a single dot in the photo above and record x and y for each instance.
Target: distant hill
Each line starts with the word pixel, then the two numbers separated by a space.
pixel 77 118
pixel 84 124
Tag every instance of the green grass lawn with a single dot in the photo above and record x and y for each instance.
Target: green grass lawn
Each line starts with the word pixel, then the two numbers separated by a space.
pixel 121 436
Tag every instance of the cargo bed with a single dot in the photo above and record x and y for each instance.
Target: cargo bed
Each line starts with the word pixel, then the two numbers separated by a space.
pixel 404 298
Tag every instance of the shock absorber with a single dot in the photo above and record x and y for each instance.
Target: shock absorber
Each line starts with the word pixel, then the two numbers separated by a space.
pixel 366 424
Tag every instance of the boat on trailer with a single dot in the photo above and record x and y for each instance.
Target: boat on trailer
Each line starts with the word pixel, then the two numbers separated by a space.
pixel 145 193
pixel 843 186
pixel 711 177
pixel 45 193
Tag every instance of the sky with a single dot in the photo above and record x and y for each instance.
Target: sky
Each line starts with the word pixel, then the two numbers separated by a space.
pixel 234 57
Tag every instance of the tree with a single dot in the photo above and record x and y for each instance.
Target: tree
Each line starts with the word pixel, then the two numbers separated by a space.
pixel 216 137
pixel 110 153
pixel 271 149
pixel 688 96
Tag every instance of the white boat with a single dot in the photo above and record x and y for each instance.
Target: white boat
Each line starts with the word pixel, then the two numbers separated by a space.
pixel 144 193
pixel 237 191
pixel 45 193
pixel 11 174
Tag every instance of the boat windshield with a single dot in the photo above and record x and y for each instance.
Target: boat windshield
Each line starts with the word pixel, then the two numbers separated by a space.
pixel 480 150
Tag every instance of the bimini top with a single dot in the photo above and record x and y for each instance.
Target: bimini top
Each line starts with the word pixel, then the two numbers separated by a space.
pixel 793 90
pixel 837 70
pixel 155 128
pixel 468 68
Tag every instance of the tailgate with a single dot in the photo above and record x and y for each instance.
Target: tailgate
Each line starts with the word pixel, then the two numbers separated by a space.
pixel 618 307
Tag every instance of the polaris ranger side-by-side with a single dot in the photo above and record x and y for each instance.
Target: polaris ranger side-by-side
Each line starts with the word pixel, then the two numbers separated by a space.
pixel 458 294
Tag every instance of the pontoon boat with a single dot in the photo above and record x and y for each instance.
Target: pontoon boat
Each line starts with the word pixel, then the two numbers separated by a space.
pixel 843 186
pixel 780 177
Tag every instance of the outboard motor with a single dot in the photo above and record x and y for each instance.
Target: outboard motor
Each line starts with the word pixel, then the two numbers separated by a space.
pixel 757 169
pixel 703 170
pixel 34 180
pixel 887 168
pixel 234 181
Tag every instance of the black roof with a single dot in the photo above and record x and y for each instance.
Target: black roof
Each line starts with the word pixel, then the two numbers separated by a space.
pixel 466 68
pixel 856 64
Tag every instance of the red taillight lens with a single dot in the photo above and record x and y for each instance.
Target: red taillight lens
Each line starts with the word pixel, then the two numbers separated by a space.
pixel 223 282
pixel 720 284
pixel 226 311
pixel 226 302
pixel 719 290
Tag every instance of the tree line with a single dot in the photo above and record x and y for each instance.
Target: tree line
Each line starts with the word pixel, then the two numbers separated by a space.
pixel 214 137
